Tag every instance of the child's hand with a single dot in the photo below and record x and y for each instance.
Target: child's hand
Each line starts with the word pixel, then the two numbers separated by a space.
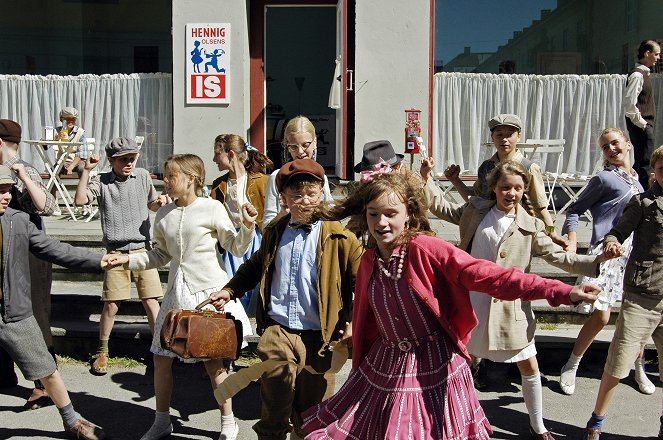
pixel 91 162
pixel 613 250
pixel 109 261
pixel 346 334
pixel 249 214
pixel 584 292
pixel 427 166
pixel 19 169
pixel 452 172
pixel 163 200
pixel 219 299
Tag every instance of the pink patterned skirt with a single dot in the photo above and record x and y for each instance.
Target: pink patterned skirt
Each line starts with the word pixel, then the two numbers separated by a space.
pixel 423 393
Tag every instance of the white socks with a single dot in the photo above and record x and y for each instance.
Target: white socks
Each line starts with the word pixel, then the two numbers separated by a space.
pixel 533 395
pixel 161 427
pixel 229 428
pixel 567 378
pixel 646 386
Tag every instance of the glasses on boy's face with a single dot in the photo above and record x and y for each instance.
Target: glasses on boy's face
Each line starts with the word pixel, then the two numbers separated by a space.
pixel 294 148
pixel 310 197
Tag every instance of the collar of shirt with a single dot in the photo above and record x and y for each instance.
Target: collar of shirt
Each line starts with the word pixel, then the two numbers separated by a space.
pixel 114 176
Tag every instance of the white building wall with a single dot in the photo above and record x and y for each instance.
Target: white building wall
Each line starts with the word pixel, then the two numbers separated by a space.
pixel 392 69
pixel 196 126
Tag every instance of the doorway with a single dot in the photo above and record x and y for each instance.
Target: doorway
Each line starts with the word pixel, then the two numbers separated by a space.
pixel 300 52
pixel 296 48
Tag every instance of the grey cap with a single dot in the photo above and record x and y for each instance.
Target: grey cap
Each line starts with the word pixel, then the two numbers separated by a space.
pixel 505 119
pixel 6 176
pixel 121 147
pixel 68 112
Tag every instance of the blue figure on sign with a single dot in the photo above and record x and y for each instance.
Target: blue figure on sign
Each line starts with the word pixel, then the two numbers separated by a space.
pixel 196 57
pixel 214 60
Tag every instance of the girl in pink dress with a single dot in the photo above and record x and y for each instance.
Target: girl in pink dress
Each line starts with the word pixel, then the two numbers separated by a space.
pixel 412 318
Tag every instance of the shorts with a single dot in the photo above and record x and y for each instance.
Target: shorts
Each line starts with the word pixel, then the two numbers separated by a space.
pixel 25 344
pixel 640 317
pixel 117 282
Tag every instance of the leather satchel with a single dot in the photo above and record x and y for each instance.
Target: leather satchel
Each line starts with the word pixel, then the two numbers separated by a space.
pixel 202 333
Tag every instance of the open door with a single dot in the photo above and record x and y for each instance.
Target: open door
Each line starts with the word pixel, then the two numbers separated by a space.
pixel 294 45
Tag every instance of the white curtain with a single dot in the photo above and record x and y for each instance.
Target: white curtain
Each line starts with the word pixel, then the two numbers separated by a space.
pixel 571 107
pixel 109 106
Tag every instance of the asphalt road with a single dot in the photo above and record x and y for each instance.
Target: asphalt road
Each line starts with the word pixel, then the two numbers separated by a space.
pixel 122 403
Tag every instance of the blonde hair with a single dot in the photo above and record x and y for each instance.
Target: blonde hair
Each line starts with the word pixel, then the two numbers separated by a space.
pixel 507 167
pixel 191 165
pixel 609 130
pixel 297 125
pixel 405 185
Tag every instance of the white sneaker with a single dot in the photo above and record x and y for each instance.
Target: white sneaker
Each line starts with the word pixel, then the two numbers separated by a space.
pixel 158 432
pixel 229 433
pixel 567 380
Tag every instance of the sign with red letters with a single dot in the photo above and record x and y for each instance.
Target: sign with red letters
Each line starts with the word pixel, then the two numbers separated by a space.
pixel 208 63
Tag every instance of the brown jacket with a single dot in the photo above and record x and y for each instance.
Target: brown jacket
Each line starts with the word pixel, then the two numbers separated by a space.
pixel 338 256
pixel 256 189
pixel 512 323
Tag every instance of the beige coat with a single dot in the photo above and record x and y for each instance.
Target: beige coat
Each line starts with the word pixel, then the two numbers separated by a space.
pixel 511 323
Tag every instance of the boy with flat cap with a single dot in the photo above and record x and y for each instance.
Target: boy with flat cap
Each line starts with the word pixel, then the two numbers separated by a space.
pixel 306 268
pixel 125 194
pixel 20 335
pixel 29 195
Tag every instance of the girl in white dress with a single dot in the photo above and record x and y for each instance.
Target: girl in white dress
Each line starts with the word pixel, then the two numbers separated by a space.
pixel 186 233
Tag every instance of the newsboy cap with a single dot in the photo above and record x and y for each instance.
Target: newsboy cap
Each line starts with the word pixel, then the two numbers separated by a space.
pixel 69 112
pixel 6 175
pixel 121 147
pixel 298 167
pixel 373 152
pixel 10 131
pixel 505 119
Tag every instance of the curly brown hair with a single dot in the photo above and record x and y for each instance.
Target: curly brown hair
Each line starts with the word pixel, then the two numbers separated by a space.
pixel 407 185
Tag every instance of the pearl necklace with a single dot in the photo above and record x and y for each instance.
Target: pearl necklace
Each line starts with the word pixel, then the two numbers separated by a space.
pixel 401 261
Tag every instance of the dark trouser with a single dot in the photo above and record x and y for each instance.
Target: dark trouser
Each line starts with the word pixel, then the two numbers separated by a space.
pixel 41 278
pixel 284 393
pixel 643 147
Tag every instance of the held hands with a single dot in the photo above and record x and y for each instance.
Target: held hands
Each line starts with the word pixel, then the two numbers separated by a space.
pixel 584 292
pixel 612 250
pixel 92 162
pixel 109 261
pixel 249 214
pixel 219 299
pixel 427 166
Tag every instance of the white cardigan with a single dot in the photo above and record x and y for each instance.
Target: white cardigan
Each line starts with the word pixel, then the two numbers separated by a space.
pixel 188 236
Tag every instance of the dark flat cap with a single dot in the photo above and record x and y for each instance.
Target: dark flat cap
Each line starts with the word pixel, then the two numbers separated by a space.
pixel 10 131
pixel 298 167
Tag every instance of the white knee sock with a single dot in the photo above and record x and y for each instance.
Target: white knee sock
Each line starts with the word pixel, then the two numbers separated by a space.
pixel 533 395
pixel 646 386
pixel 573 362
pixel 229 427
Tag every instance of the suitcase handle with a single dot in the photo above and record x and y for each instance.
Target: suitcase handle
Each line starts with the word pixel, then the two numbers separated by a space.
pixel 203 304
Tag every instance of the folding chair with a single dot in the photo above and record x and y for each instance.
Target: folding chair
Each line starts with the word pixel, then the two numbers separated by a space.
pixel 91 146
pixel 541 147
pixel 565 181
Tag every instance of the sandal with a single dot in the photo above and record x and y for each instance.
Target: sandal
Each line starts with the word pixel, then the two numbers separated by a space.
pixel 99 364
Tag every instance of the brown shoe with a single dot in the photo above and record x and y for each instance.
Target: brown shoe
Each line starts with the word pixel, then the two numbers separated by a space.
pixel 591 434
pixel 99 364
pixel 545 436
pixel 86 430
pixel 39 398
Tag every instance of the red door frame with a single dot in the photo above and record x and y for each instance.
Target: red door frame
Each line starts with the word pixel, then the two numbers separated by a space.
pixel 257 63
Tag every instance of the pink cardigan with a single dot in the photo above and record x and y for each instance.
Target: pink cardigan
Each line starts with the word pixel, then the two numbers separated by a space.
pixel 442 276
